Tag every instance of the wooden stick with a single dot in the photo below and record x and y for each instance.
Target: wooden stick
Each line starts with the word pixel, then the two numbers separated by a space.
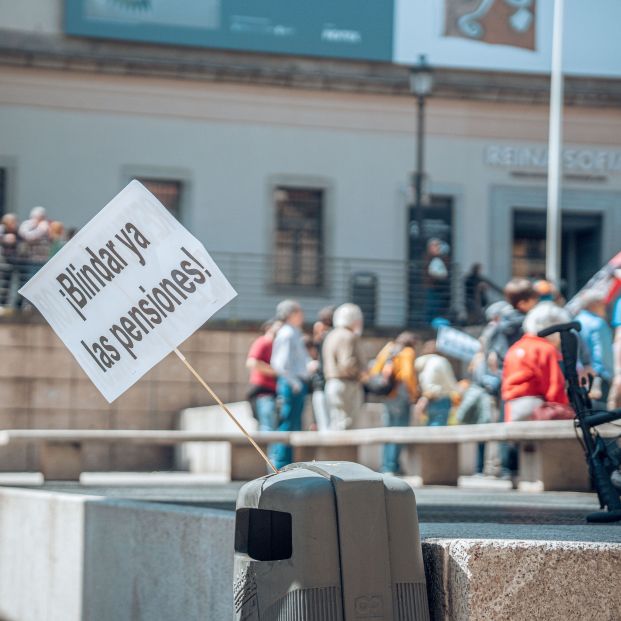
pixel 230 414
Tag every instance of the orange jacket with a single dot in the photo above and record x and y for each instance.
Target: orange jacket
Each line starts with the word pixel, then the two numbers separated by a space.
pixel 531 369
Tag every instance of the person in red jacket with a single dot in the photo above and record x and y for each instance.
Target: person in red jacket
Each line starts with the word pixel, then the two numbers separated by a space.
pixel 532 373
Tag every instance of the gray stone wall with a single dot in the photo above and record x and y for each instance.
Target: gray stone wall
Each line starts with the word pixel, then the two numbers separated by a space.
pixel 42 387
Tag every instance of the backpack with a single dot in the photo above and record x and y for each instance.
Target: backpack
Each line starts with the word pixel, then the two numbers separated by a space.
pixel 379 383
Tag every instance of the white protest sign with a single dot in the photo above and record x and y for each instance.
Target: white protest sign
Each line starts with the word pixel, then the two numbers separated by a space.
pixel 457 344
pixel 130 287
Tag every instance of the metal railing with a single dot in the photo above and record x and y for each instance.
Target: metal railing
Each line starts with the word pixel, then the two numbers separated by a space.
pixel 390 293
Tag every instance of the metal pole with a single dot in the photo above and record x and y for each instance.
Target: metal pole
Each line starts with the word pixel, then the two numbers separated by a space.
pixel 420 167
pixel 555 139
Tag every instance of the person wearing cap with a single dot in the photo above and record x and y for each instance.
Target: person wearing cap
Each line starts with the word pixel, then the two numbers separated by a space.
pixel 292 363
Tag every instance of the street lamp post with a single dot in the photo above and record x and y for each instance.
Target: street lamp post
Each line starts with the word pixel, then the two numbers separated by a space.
pixel 421 83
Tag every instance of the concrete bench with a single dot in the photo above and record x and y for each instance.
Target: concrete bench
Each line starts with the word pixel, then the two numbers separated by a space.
pixel 61 450
pixel 551 458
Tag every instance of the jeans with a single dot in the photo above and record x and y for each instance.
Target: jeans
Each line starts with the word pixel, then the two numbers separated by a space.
pixel 438 411
pixel 291 406
pixel 396 414
pixel 265 406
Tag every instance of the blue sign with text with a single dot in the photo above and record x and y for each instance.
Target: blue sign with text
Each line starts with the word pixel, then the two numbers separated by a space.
pixel 356 29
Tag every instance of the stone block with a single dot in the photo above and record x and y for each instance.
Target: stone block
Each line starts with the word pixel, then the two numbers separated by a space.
pixel 50 419
pixel 49 363
pixel 557 465
pixel 142 420
pixel 125 457
pixel 213 368
pixel 215 341
pixel 325 453
pixel 171 369
pixel 192 343
pixel 141 397
pixel 14 457
pixel 51 394
pixel 241 342
pixel 202 398
pixel 40 336
pixel 14 392
pixel 436 464
pixel 60 461
pixel 215 457
pixel 172 396
pixel 90 419
pixel 12 362
pixel 85 396
pixel 96 457
pixel 504 580
pixel 246 463
pixel 237 368
pixel 13 335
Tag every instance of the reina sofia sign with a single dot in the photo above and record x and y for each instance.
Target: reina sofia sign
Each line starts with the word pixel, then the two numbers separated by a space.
pixel 589 161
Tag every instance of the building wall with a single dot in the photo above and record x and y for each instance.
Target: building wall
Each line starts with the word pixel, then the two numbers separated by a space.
pixel 71 140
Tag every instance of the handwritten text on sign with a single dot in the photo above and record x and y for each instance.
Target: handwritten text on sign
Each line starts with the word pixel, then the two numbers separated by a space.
pixel 130 287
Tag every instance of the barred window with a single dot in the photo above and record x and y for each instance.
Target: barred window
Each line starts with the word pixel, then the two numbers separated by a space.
pixel 3 192
pixel 299 237
pixel 167 191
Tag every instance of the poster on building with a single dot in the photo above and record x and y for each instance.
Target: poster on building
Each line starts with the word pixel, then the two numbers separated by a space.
pixel 343 29
pixel 130 287
pixel 499 22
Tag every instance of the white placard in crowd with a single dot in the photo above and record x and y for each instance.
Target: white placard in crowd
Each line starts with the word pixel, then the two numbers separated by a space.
pixel 130 287
pixel 455 343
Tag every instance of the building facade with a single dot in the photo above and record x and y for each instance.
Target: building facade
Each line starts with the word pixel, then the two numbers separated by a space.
pixel 295 172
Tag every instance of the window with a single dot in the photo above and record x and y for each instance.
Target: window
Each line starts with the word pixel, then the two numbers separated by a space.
pixel 167 191
pixel 299 237
pixel 3 191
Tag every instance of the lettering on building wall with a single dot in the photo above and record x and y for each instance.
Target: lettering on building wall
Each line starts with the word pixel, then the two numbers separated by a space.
pixel 574 160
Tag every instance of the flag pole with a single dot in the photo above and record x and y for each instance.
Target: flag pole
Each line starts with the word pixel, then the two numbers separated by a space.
pixel 555 140
pixel 204 384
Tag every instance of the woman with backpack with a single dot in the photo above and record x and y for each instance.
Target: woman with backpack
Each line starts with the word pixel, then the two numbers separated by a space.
pixel 395 364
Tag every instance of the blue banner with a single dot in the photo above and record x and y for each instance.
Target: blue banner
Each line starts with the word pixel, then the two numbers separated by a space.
pixel 356 29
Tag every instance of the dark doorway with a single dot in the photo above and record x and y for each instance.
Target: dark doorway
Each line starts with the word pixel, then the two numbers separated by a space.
pixel 580 247
pixel 437 223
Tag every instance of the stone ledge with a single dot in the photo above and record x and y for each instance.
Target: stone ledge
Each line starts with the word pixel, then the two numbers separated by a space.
pixel 178 560
pixel 497 580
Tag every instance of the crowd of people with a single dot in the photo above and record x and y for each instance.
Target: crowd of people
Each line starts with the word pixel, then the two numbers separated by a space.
pixel 516 375
pixel 24 248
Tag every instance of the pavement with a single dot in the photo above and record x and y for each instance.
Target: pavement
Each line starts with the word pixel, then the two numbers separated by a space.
pixel 492 512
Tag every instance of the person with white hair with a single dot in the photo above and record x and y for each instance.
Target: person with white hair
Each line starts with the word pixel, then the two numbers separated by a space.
pixel 597 338
pixel 34 233
pixel 290 361
pixel 344 366
pixel 532 374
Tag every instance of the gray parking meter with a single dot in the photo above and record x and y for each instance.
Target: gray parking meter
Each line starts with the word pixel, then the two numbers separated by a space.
pixel 327 541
